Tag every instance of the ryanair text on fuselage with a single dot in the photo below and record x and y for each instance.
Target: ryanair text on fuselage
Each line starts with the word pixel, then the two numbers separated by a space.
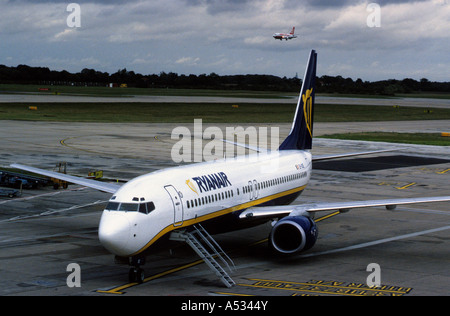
pixel 212 181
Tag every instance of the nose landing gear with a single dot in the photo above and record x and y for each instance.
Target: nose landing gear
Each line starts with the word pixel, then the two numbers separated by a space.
pixel 136 273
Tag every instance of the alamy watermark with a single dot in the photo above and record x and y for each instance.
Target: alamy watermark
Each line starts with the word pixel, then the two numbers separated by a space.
pixel 74 278
pixel 74 18
pixel 189 146
pixel 374 18
pixel 374 278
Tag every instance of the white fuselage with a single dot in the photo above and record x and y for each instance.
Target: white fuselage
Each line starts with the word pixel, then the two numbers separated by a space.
pixel 282 36
pixel 151 206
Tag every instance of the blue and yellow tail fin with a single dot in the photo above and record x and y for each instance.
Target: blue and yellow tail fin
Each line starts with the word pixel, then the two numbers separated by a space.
pixel 301 133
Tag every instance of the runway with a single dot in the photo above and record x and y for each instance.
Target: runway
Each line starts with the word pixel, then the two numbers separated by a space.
pixel 43 231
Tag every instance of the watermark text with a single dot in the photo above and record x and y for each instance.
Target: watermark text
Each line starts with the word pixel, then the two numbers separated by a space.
pixel 74 18
pixel 374 18
pixel 235 141
pixel 74 278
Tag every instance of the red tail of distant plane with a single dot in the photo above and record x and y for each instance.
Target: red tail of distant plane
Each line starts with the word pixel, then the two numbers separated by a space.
pixel 293 30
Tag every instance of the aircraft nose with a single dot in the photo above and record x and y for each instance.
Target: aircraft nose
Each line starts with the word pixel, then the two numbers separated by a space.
pixel 114 232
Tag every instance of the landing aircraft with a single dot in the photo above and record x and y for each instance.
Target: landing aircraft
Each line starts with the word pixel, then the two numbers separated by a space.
pixel 286 36
pixel 223 195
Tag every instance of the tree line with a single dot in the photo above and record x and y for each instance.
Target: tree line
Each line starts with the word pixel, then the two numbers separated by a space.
pixel 23 74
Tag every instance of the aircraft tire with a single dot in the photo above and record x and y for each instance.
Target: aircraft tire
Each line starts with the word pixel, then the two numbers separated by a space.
pixel 136 275
pixel 140 275
pixel 132 275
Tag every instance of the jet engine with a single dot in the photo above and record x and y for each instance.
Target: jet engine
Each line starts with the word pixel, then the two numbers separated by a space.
pixel 293 234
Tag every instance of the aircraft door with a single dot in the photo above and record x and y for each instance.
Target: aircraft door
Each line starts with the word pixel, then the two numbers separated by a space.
pixel 255 188
pixel 177 205
pixel 250 190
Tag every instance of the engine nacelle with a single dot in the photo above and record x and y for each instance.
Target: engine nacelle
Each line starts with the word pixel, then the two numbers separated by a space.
pixel 293 234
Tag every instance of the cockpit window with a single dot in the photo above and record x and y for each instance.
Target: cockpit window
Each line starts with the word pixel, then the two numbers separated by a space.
pixel 150 206
pixel 143 207
pixel 146 207
pixel 129 207
pixel 112 206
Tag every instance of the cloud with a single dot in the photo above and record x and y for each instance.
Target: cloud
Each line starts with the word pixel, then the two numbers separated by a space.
pixel 188 60
pixel 230 36
pixel 65 35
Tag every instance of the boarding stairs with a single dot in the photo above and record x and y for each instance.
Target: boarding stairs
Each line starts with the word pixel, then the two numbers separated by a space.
pixel 209 250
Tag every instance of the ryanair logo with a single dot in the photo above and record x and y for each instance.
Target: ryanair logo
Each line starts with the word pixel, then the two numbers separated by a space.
pixel 209 182
pixel 191 186
pixel 307 109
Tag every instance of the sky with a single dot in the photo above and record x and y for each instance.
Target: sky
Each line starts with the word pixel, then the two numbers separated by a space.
pixel 227 37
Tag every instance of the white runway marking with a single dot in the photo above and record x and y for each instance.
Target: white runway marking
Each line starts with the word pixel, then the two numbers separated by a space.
pixel 375 242
pixel 41 195
pixel 51 212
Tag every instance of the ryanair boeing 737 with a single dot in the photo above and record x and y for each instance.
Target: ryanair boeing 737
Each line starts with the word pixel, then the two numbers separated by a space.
pixel 222 195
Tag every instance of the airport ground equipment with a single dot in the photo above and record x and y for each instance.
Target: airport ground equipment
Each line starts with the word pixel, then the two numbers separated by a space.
pixel 18 180
pixel 9 192
pixel 200 245
pixel 61 167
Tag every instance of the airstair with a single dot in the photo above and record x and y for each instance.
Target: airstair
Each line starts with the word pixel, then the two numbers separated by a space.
pixel 209 250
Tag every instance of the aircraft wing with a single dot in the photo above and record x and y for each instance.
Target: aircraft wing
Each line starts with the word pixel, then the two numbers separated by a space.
pixel 98 185
pixel 305 209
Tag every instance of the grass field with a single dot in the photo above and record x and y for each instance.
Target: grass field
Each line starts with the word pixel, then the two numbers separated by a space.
pixel 122 92
pixel 126 92
pixel 216 112
pixel 209 112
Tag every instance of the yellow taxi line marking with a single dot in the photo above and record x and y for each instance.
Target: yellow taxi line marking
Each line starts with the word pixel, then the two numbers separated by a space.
pixel 119 289
pixel 406 186
pixel 444 171
pixel 327 216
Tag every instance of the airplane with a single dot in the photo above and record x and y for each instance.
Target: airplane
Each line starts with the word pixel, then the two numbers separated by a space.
pixel 223 195
pixel 286 36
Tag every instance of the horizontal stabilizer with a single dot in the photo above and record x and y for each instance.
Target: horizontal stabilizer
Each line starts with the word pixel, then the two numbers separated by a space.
pixel 337 156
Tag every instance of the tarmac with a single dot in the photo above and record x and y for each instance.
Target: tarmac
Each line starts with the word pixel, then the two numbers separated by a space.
pixel 45 230
pixel 67 98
